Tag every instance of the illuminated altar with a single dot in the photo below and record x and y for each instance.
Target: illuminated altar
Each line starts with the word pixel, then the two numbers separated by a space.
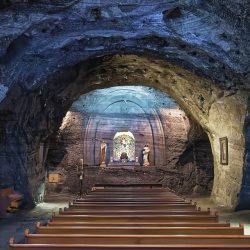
pixel 123 150
pixel 124 147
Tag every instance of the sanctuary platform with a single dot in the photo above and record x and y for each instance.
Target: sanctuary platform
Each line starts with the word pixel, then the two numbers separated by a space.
pixel 126 165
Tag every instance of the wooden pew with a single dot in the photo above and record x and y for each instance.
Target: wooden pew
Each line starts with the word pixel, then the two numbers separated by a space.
pixel 132 212
pixel 130 202
pixel 138 224
pixel 133 206
pixel 139 192
pixel 134 199
pixel 153 196
pixel 124 199
pixel 140 231
pixel 106 239
pixel 132 190
pixel 131 194
pixel 124 221
pixel 136 218
pixel 225 246
pixel 9 200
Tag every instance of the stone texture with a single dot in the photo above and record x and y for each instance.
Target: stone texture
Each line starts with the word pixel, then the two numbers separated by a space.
pixel 51 52
pixel 244 202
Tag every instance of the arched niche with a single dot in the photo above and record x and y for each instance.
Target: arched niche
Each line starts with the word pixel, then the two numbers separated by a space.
pixel 145 127
pixel 124 144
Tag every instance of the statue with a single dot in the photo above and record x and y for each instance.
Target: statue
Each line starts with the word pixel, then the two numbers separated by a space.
pixel 103 154
pixel 124 157
pixel 146 152
pixel 124 145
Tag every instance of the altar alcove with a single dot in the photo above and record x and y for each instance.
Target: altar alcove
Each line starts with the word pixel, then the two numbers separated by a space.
pixel 126 119
pixel 128 109
pixel 124 147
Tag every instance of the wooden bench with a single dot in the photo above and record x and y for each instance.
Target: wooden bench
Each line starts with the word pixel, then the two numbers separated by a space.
pixel 132 196
pixel 138 224
pixel 132 212
pixel 138 199
pixel 142 193
pixel 129 192
pixel 135 218
pixel 104 239
pixel 132 192
pixel 9 199
pixel 120 206
pixel 139 192
pixel 140 231
pixel 135 191
pixel 126 221
pixel 225 246
pixel 130 202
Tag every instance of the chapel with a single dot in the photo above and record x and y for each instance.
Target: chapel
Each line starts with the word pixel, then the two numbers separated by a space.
pixel 124 124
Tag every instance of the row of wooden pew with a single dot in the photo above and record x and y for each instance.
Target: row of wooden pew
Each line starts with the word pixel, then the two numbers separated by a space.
pixel 10 200
pixel 134 218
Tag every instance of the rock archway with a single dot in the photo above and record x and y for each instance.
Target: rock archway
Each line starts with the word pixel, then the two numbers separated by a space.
pixel 197 96
pixel 52 53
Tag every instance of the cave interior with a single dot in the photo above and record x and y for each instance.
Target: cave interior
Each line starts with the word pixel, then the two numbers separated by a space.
pixel 175 75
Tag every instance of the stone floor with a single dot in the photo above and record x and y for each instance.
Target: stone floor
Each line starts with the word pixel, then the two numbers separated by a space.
pixel 14 224
pixel 225 215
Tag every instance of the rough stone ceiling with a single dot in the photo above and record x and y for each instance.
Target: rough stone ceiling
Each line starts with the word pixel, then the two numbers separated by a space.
pixel 46 36
pixel 99 101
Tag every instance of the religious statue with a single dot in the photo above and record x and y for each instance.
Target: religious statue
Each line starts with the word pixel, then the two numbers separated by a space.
pixel 146 152
pixel 124 145
pixel 124 157
pixel 103 154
